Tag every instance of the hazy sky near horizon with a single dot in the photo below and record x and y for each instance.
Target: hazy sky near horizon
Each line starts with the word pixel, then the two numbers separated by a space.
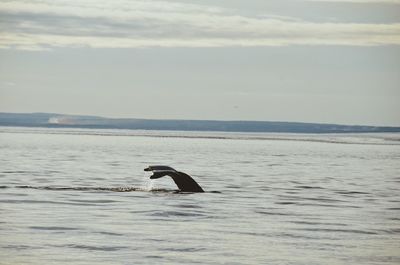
pixel 329 61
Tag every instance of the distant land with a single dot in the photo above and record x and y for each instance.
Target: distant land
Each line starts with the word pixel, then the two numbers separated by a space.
pixel 53 120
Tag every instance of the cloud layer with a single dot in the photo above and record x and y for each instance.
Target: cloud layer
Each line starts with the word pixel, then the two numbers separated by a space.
pixel 360 1
pixel 44 24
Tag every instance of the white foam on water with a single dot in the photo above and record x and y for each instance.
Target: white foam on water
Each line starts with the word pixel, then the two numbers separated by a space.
pixel 150 184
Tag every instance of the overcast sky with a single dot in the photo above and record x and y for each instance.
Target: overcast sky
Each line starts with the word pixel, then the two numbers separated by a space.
pixel 329 61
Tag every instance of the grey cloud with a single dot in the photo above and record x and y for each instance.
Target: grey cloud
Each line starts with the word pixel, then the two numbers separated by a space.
pixel 159 23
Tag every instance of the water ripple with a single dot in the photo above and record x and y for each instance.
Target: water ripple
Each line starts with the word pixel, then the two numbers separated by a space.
pixel 52 228
pixel 92 248
pixel 332 230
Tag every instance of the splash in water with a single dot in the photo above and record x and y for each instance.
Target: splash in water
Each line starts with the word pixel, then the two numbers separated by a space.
pixel 150 184
pixel 112 189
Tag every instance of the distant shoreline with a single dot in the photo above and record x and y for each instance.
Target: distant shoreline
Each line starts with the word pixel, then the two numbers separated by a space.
pixel 53 120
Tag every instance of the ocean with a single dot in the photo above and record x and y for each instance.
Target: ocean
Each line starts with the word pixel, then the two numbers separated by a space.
pixel 80 196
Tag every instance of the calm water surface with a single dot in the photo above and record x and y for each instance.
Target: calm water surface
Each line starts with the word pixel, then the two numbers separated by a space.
pixel 283 199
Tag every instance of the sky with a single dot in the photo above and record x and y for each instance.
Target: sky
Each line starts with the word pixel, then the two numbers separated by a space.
pixel 326 61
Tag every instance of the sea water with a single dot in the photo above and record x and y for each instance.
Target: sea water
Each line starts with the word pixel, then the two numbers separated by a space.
pixel 75 196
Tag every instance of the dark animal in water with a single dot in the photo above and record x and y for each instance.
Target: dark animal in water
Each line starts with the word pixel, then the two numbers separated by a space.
pixel 184 182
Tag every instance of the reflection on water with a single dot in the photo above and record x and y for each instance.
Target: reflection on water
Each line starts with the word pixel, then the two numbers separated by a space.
pixel 81 197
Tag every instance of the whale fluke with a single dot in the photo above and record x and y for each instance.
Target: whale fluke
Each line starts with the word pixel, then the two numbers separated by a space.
pixel 184 182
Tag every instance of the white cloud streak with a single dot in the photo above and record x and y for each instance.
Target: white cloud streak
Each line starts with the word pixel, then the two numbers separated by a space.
pixel 47 24
pixel 360 1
